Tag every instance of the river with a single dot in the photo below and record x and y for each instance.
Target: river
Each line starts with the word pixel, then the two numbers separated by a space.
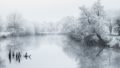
pixel 55 51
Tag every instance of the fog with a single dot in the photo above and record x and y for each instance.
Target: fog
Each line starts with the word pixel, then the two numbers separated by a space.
pixel 59 33
pixel 49 10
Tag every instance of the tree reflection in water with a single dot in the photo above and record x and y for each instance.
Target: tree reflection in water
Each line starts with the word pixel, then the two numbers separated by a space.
pixel 2 64
pixel 86 55
pixel 16 50
pixel 17 56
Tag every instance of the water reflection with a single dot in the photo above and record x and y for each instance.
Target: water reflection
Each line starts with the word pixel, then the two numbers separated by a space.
pixel 27 56
pixel 2 65
pixel 86 56
pixel 10 56
pixel 14 49
pixel 47 55
pixel 17 56
pixel 17 50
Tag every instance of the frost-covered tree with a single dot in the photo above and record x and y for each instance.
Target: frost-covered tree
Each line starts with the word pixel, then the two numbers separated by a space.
pixel 98 10
pixel 94 17
pixel 117 29
pixel 1 25
pixel 93 28
pixel 71 26
pixel 68 24
pixel 15 24
pixel 110 26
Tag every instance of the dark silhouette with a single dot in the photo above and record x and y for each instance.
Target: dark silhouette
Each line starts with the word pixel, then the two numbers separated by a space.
pixel 9 56
pixel 19 57
pixel 27 56
pixel 16 56
pixel 13 54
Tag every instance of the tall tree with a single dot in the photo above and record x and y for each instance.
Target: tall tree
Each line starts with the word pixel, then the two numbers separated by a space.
pixel 93 18
pixel 93 21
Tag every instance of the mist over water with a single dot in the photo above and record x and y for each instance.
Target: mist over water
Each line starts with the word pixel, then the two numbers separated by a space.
pixel 56 51
pixel 45 52
pixel 59 34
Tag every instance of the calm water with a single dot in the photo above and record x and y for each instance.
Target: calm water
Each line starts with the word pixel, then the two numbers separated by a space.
pixel 55 51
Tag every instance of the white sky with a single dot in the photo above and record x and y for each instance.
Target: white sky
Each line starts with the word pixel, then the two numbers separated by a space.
pixel 49 10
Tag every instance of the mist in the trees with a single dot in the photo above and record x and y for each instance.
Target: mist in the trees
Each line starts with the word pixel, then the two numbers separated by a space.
pixel 88 37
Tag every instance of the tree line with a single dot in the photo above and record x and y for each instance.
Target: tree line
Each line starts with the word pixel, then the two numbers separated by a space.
pixel 94 26
pixel 15 25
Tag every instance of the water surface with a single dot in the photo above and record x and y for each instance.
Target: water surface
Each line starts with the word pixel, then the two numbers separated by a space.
pixel 56 51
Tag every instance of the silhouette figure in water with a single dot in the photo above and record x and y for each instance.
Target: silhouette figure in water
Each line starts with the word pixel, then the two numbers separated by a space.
pixel 10 56
pixel 18 56
pixel 27 56
pixel 13 54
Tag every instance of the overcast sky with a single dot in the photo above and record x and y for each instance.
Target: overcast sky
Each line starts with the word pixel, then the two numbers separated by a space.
pixel 50 10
